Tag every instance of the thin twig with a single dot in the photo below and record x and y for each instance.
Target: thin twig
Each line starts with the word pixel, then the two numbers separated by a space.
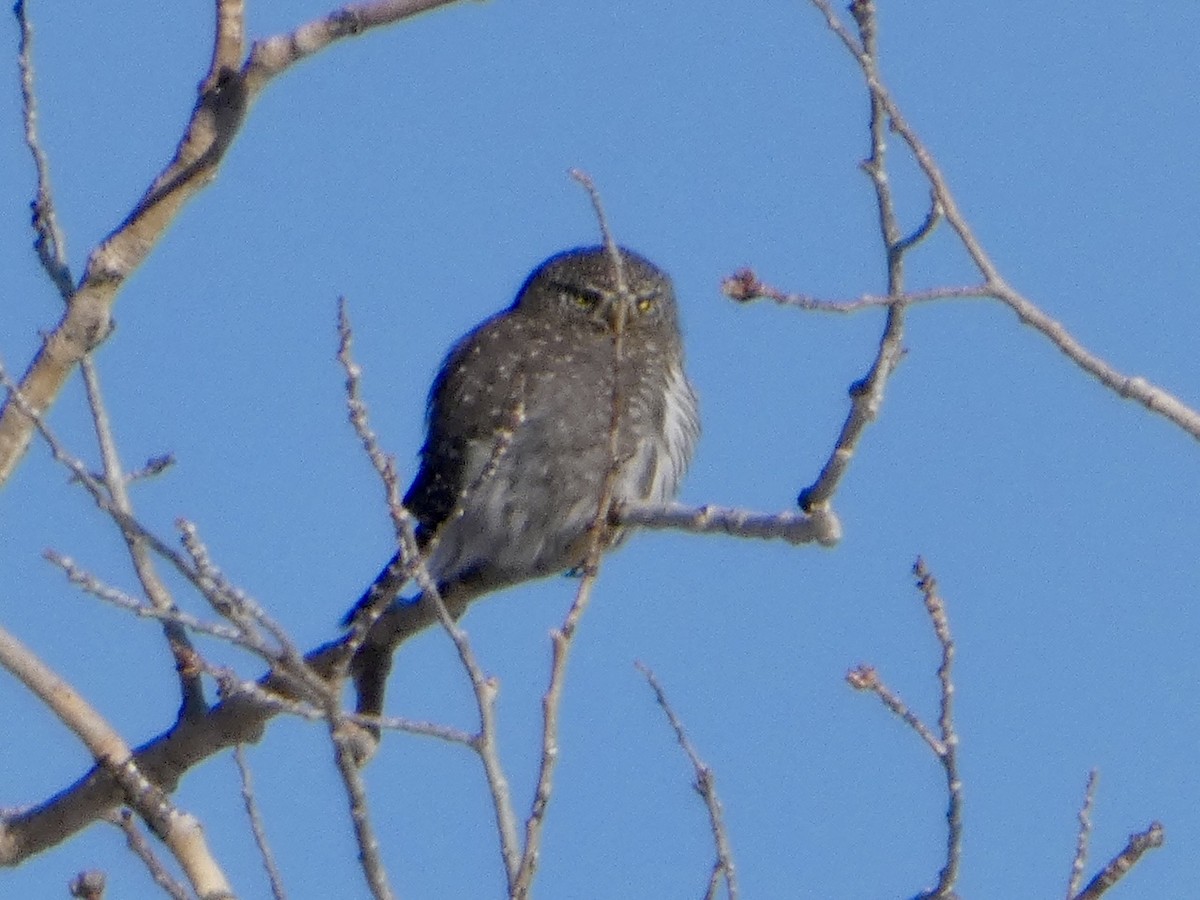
pixel 247 615
pixel 226 93
pixel 598 533
pixel 744 285
pixel 116 481
pixel 1151 396
pixel 49 244
pixel 943 745
pixel 866 678
pixel 1139 842
pixel 936 609
pixel 179 831
pixel 821 526
pixel 706 786
pixel 485 688
pixel 1083 836
pixel 142 850
pixel 256 823
pixel 866 395
pixel 347 751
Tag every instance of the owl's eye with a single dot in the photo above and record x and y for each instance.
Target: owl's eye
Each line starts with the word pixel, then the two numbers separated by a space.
pixel 586 302
pixel 645 304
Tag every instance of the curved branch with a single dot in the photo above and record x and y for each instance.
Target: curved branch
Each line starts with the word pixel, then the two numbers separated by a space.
pixel 179 831
pixel 225 94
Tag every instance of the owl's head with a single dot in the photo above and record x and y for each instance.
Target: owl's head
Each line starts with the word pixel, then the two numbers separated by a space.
pixel 581 286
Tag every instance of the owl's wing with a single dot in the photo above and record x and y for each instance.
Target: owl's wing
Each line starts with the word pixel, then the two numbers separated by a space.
pixel 470 402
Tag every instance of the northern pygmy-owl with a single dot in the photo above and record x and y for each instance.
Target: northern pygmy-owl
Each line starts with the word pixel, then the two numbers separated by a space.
pixel 518 445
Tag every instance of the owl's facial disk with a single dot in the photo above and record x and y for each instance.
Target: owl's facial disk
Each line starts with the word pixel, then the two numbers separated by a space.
pixel 603 308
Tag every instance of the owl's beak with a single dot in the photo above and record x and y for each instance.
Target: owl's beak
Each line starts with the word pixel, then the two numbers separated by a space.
pixel 616 313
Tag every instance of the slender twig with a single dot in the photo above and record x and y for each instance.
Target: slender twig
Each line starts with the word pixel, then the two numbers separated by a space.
pixel 88 582
pixel 347 752
pixel 49 244
pixel 706 786
pixel 484 687
pixel 249 617
pixel 866 678
pixel 866 395
pixel 610 245
pixel 598 534
pixel 936 609
pixel 98 491
pixel 944 744
pixel 1083 836
pixel 821 526
pixel 116 482
pixel 226 91
pixel 179 831
pixel 142 850
pixel 1151 396
pixel 1119 866
pixel 256 823
pixel 744 285
pixel 383 590
pixel 562 637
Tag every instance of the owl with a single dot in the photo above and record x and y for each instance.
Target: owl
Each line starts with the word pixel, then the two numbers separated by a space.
pixel 528 416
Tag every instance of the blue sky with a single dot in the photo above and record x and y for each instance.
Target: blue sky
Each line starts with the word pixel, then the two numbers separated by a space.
pixel 421 172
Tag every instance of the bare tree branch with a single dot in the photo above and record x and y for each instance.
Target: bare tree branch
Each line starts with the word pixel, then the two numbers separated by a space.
pixel 744 286
pixel 885 108
pixel 116 482
pixel 723 868
pixel 142 850
pixel 1083 836
pixel 485 688
pixel 1118 868
pixel 225 94
pixel 179 831
pixel 256 823
pixel 866 395
pixel 943 745
pixel 347 751
pixel 49 242
pixel 820 526
pixel 562 637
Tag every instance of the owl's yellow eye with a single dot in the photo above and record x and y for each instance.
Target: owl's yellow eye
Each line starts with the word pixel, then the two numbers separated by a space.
pixel 585 302
pixel 645 304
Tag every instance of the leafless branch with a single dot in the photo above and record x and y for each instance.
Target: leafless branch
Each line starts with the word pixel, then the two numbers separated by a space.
pixel 1083 837
pixel 1119 867
pixel 706 786
pixel 116 482
pixel 943 745
pixel 274 55
pixel 820 526
pixel 256 823
pixel 347 752
pixel 226 92
pixel 866 678
pixel 142 850
pixel 936 609
pixel 179 831
pixel 49 242
pixel 866 395
pixel 885 108
pixel 598 535
pixel 485 688
pixel 744 286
